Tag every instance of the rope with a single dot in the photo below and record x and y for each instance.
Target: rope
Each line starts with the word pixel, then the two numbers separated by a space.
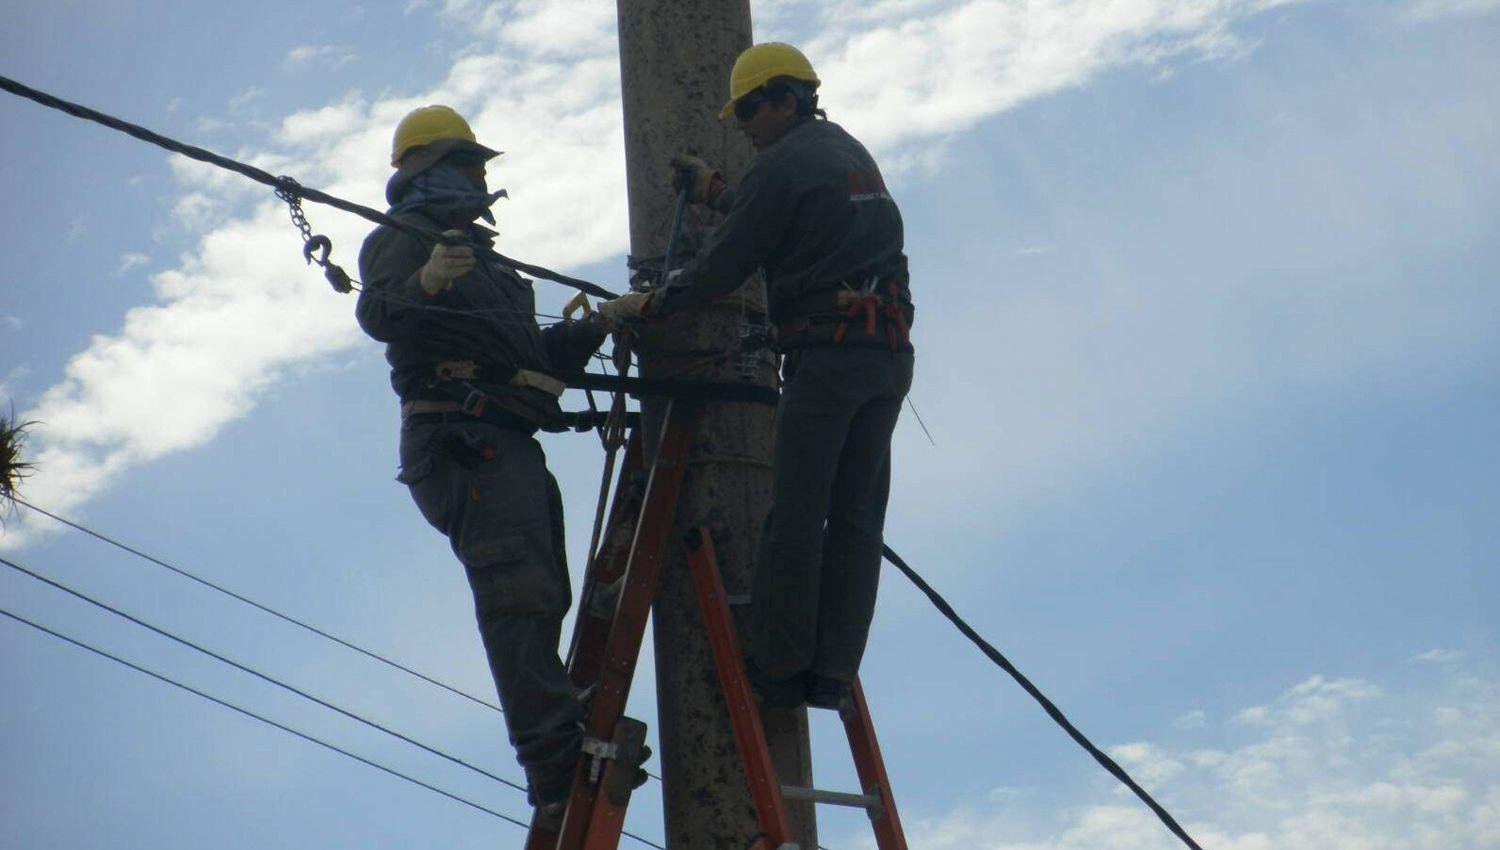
pixel 284 184
pixel 1047 705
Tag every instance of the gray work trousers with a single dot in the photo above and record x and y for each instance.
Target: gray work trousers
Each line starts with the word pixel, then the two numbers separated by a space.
pixel 813 592
pixel 488 489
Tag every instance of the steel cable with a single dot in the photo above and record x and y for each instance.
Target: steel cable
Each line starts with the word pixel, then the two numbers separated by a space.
pixel 258 674
pixel 258 606
pixel 272 680
pixel 248 713
pixel 285 185
pixel 1047 705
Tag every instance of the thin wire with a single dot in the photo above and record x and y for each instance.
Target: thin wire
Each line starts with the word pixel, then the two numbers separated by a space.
pixel 1047 705
pixel 252 603
pixel 262 676
pixel 266 178
pixel 248 713
pixel 914 412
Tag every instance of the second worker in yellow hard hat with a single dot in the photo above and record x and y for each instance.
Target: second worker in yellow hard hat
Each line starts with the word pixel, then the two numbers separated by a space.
pixel 814 215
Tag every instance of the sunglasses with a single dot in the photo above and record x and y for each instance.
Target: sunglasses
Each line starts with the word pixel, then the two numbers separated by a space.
pixel 746 107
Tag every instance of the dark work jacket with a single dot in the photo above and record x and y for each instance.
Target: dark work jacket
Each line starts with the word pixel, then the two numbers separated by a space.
pixel 494 323
pixel 812 213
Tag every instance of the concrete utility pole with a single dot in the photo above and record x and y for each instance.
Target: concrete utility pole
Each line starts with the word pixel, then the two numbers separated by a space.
pixel 675 57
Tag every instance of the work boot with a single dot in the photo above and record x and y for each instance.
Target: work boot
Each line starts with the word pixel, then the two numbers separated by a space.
pixel 775 693
pixel 827 692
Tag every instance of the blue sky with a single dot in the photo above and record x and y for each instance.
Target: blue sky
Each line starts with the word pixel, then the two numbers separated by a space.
pixel 1207 339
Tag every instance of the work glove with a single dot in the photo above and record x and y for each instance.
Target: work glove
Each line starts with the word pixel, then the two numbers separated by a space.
pixel 707 181
pixel 628 307
pixel 447 264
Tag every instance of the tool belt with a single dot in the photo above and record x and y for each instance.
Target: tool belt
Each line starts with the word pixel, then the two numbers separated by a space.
pixel 868 309
pixel 459 400
pixel 424 412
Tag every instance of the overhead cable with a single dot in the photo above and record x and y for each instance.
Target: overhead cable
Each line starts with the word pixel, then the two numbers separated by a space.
pixel 1052 710
pixel 283 184
pixel 259 675
pixel 248 713
pixel 648 842
pixel 258 606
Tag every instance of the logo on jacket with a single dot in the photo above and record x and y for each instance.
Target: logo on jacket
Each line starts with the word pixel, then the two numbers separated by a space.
pixel 867 186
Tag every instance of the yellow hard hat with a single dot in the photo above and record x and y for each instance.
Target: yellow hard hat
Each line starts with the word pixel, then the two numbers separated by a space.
pixel 762 63
pixel 427 124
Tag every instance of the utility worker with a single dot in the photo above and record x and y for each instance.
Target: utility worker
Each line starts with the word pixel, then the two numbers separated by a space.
pixel 466 357
pixel 812 213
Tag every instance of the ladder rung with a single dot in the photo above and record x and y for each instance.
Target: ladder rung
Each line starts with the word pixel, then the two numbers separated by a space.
pixel 832 798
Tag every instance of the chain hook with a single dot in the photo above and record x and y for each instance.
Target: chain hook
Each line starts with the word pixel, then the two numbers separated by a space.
pixel 316 243
pixel 290 191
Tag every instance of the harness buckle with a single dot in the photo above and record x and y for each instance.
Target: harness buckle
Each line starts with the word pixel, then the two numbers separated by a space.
pixel 474 403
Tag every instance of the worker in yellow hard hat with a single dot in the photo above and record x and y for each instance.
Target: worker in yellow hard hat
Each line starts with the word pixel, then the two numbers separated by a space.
pixel 813 213
pixel 467 361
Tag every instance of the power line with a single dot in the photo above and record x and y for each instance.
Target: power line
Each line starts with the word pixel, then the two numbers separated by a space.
pixel 284 184
pixel 248 713
pixel 1052 710
pixel 252 603
pixel 262 676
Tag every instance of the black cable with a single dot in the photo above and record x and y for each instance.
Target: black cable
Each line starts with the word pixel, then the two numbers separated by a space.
pixel 291 187
pixel 248 713
pixel 266 720
pixel 252 603
pixel 1047 705
pixel 259 675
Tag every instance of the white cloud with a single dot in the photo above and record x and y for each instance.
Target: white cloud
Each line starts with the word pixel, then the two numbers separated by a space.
pixel 906 71
pixel 1439 656
pixel 328 56
pixel 11 322
pixel 1195 719
pixel 212 125
pixel 129 261
pixel 245 98
pixel 241 310
pixel 1147 764
pixel 1377 774
pixel 1431 10
pixel 326 124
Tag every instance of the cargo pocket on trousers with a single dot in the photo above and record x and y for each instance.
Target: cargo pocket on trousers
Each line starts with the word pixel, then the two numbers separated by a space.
pixel 515 574
pixel 430 499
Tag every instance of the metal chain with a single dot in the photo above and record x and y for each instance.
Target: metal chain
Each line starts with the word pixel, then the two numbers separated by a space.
pixel 290 191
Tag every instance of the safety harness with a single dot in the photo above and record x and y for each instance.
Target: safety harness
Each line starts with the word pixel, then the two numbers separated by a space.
pixel 874 306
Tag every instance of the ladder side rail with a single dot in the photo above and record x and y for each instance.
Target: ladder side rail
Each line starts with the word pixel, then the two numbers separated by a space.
pixel 590 631
pixel 870 766
pixel 749 735
pixel 587 807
